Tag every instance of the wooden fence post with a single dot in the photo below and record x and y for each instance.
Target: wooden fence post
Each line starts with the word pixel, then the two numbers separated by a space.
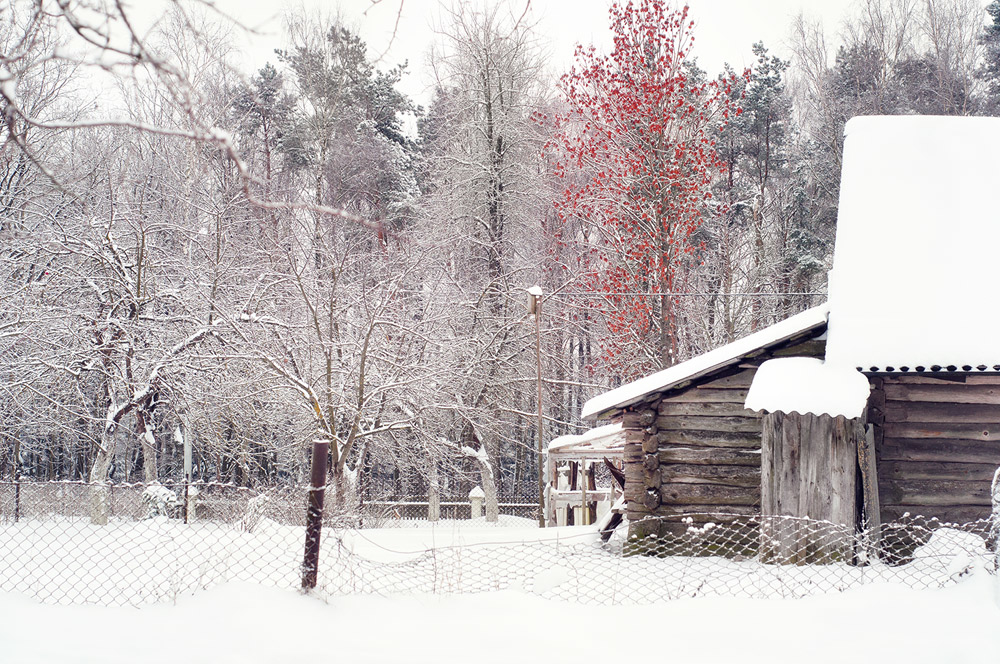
pixel 314 513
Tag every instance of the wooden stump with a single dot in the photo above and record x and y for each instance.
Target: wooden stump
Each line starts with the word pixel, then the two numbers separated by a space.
pixel 808 471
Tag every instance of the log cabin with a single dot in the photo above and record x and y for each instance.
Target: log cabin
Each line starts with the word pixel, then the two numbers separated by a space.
pixel 881 403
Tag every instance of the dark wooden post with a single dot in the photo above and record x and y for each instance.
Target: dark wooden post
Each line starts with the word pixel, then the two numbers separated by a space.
pixel 314 513
pixel 17 479
pixel 808 471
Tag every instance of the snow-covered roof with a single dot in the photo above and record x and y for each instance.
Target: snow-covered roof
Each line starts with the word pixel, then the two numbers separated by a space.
pixel 607 439
pixel 808 385
pixel 914 281
pixel 706 363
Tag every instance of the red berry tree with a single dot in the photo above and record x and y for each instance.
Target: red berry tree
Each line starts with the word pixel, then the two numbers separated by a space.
pixel 635 148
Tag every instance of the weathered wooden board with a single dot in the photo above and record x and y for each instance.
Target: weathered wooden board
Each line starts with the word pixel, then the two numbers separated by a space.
pixel 933 492
pixel 940 450
pixel 927 412
pixel 708 409
pixel 985 378
pixel 741 379
pixel 743 439
pixel 809 466
pixel 711 455
pixel 938 470
pixel 940 430
pixel 743 424
pixel 947 513
pixel 808 469
pixel 708 494
pixel 709 395
pixel 809 348
pixel 941 392
pixel 745 476
pixel 704 513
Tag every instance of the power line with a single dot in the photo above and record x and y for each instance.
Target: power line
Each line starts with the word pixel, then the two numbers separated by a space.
pixel 671 294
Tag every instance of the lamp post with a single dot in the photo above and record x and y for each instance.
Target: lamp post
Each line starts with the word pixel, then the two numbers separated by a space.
pixel 535 309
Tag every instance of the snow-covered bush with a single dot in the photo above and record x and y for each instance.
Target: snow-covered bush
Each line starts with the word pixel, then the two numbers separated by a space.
pixel 159 501
pixel 256 507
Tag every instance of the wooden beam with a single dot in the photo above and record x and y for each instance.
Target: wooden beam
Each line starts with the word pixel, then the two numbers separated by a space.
pixel 962 393
pixel 872 506
pixel 743 424
pixel 934 412
pixel 743 439
pixel 940 450
pixel 706 409
pixel 711 455
pixel 934 492
pixel 709 394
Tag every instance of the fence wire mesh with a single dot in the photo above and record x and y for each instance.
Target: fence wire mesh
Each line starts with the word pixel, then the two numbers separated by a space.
pixel 51 549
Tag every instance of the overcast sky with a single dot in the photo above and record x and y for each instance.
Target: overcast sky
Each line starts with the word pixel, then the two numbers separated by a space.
pixel 724 31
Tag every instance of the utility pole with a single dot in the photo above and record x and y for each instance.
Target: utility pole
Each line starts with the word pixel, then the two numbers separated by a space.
pixel 535 308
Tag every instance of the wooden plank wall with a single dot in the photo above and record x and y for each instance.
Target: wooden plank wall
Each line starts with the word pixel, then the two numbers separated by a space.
pixel 939 446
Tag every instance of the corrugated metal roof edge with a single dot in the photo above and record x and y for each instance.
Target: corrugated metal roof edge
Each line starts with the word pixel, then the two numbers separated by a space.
pixel 933 369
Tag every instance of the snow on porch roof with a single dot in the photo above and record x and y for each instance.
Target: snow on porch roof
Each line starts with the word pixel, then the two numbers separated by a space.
pixel 914 279
pixel 606 440
pixel 706 363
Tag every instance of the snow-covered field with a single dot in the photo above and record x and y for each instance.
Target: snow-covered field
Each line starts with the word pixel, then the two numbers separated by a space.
pixel 245 623
pixel 69 561
pixel 468 592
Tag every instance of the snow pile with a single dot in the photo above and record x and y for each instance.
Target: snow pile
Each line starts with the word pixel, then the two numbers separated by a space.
pixel 808 385
pixel 949 555
pixel 917 229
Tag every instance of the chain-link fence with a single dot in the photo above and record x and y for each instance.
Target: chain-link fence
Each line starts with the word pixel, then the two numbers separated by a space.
pixel 53 550
pixel 414 512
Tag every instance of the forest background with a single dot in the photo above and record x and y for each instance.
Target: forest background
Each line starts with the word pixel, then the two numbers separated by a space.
pixel 252 264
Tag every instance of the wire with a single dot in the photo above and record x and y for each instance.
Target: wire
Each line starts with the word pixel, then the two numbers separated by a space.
pixel 669 294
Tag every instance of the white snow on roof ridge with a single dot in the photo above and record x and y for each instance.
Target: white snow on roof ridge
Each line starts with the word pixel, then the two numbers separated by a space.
pixel 609 436
pixel 808 385
pixel 913 280
pixel 706 362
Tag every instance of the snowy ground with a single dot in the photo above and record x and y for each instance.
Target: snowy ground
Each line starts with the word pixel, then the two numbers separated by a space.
pixel 70 561
pixel 468 592
pixel 245 623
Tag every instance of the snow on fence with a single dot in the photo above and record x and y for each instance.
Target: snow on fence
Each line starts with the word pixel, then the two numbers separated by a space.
pixel 54 553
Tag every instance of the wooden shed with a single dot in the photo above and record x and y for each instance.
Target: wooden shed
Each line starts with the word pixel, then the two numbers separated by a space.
pixel 691 447
pixel 882 403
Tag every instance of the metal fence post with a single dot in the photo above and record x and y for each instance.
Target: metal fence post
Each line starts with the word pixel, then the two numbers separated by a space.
pixel 314 513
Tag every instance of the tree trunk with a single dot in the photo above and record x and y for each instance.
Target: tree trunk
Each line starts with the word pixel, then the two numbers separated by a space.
pixel 489 486
pixel 434 495
pixel 144 426
pixel 99 506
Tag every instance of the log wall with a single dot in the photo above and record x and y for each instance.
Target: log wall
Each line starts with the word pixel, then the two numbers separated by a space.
pixel 938 445
pixel 697 451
